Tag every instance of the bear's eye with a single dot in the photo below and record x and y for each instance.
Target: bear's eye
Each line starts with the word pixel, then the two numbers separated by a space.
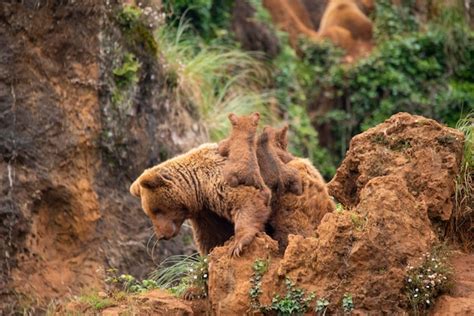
pixel 155 210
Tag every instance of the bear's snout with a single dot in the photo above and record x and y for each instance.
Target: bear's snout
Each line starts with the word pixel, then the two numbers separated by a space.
pixel 167 231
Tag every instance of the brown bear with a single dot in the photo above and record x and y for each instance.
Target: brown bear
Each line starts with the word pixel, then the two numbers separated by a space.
pixel 191 186
pixel 299 215
pixel 240 147
pixel 292 17
pixel 279 177
pixel 345 24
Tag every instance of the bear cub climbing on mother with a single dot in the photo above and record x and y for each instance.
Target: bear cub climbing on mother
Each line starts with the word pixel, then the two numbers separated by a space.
pixel 225 189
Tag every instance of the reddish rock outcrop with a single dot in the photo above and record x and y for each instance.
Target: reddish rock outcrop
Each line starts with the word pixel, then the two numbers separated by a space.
pixel 424 154
pixel 364 249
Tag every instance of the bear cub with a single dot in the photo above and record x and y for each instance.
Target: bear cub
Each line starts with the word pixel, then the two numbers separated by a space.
pixel 240 147
pixel 272 157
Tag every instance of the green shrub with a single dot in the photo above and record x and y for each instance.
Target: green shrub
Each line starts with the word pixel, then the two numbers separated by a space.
pixel 421 72
pixel 432 277
pixel 210 18
pixel 393 19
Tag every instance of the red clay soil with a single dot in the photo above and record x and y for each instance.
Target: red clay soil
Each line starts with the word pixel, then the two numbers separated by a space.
pixel 461 300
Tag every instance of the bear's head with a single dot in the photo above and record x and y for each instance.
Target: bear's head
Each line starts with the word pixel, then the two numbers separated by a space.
pixel 245 122
pixel 278 139
pixel 162 201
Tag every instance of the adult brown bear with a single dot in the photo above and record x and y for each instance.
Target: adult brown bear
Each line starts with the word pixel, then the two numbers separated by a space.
pixel 192 186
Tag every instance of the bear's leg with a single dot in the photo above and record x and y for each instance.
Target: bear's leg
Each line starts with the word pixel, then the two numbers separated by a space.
pixel 249 219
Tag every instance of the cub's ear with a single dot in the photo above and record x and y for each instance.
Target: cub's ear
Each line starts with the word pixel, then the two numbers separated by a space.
pixel 135 188
pixel 154 179
pixel 255 118
pixel 282 137
pixel 233 118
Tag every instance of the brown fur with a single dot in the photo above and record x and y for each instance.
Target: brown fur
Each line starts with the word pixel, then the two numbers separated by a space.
pixel 292 17
pixel 241 167
pixel 345 24
pixel 302 214
pixel 192 186
pixel 279 177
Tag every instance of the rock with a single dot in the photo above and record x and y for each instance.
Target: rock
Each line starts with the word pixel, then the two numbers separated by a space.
pixel 394 178
pixel 229 278
pixel 421 152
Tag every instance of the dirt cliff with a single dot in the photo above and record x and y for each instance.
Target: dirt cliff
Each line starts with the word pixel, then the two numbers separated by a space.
pixel 66 213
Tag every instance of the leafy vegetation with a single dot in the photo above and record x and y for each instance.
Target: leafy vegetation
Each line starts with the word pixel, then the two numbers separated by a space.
pixel 259 268
pixel 210 18
pixel 347 303
pixel 321 306
pixel 418 72
pixel 95 301
pixel 295 301
pixel 129 283
pixel 432 277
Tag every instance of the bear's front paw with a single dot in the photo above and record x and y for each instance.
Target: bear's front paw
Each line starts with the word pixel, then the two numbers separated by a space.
pixel 193 293
pixel 238 245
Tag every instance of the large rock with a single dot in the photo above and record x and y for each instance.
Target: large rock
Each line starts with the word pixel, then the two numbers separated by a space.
pixel 394 177
pixel 424 154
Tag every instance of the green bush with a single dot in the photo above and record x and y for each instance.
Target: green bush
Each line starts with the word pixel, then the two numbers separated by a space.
pixel 422 73
pixel 210 18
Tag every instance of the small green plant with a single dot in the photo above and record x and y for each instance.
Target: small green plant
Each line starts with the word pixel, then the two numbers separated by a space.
pixel 339 208
pixel 129 283
pixel 347 303
pixel 136 28
pixel 321 306
pixel 295 301
pixel 259 267
pixel 96 302
pixel 358 221
pixel 128 16
pixel 127 73
pixel 432 277
pixel 181 273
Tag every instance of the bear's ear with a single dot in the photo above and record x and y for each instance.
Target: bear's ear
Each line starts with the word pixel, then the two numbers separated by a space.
pixel 233 118
pixel 154 179
pixel 255 118
pixel 282 137
pixel 135 188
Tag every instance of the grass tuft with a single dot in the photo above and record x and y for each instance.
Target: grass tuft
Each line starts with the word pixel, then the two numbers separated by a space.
pixel 461 226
